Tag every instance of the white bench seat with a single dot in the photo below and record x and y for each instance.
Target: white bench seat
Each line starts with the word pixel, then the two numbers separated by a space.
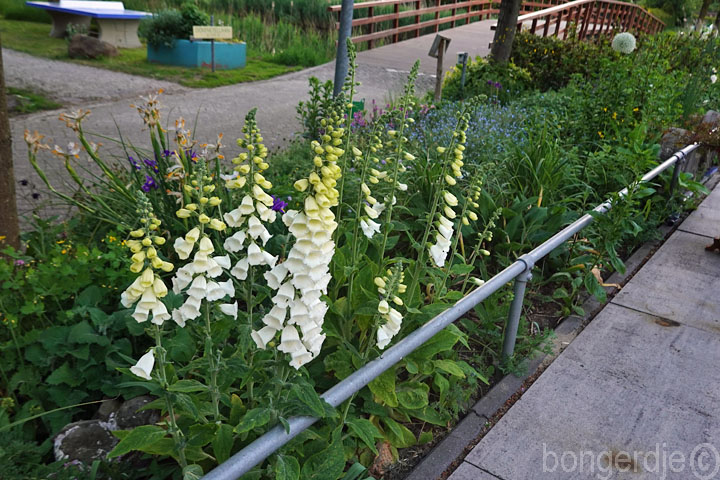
pixel 118 26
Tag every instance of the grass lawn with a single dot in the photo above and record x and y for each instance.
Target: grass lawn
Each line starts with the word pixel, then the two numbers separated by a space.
pixel 33 38
pixel 30 101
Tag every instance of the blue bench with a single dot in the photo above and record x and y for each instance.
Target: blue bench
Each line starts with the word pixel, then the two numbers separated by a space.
pixel 117 25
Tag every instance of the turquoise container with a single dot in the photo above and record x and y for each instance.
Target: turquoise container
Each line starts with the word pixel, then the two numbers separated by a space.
pixel 197 54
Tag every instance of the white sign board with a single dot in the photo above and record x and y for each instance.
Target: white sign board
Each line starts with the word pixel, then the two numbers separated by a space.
pixel 214 33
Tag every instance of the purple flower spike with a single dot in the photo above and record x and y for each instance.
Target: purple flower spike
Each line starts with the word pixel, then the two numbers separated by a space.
pixel 149 184
pixel 278 205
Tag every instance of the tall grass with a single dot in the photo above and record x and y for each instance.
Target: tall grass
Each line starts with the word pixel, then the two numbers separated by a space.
pixel 308 14
pixel 287 43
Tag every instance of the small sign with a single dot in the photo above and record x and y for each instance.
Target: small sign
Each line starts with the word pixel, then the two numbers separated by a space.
pixel 213 33
pixel 434 49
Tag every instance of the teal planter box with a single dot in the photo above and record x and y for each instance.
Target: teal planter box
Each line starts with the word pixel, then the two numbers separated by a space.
pixel 197 54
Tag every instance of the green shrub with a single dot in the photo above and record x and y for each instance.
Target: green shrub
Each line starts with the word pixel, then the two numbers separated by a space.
pixel 16 10
pixel 482 77
pixel 552 61
pixel 665 17
pixel 170 25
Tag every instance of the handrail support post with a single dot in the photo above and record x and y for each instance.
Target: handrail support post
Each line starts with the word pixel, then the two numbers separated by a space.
pixel 513 321
pixel 676 172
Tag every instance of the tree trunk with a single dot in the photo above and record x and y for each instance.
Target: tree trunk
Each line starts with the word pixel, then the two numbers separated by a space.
pixel 9 227
pixel 701 16
pixel 505 31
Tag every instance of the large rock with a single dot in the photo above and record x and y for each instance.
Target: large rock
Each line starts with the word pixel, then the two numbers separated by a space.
pixel 85 441
pixel 84 46
pixel 128 416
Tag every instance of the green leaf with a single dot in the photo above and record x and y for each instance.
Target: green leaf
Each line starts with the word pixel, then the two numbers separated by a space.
pixel 383 387
pixel 236 409
pixel 192 472
pixel 201 434
pixel 138 439
pixel 413 395
pixel 286 468
pixel 64 374
pixel 223 442
pixel 461 269
pixel 83 332
pixel 425 437
pixel 306 394
pixel 594 287
pixel 441 383
pixel 398 435
pixel 365 431
pixel 449 366
pixel 430 415
pixel 257 417
pixel 340 362
pixel 187 386
pixel 441 342
pixel 185 404
pixel 453 295
pixel 328 464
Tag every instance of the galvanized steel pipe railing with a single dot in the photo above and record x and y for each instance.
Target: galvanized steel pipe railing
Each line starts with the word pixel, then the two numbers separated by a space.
pixel 266 445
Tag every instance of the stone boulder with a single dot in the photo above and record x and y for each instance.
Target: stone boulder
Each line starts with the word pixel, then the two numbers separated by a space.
pixel 84 441
pixel 85 46
pixel 128 417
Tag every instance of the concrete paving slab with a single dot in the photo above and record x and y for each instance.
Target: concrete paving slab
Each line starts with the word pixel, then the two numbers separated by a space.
pixel 680 283
pixel 470 472
pixel 627 384
pixel 706 219
pixel 703 221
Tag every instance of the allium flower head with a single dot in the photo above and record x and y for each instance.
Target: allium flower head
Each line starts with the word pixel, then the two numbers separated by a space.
pixel 624 43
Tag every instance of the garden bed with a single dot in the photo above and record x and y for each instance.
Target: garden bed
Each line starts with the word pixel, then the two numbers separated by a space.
pixel 409 208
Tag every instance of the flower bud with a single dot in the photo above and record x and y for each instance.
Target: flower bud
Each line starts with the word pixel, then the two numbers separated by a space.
pixel 383 307
pixel 137 233
pixel 379 282
pixel 146 242
pixel 301 185
pixel 183 213
pixel 214 201
pixel 216 224
pixel 203 218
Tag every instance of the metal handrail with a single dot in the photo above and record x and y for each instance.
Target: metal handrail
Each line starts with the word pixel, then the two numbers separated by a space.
pixel 266 445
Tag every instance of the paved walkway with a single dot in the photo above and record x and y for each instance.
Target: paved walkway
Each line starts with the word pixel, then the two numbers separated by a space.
pixel 637 394
pixel 382 73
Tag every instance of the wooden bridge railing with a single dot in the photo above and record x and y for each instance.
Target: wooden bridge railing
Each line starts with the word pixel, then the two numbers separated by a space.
pixel 590 19
pixel 382 18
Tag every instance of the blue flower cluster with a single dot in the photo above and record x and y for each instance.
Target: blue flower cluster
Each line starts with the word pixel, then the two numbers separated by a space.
pixel 491 131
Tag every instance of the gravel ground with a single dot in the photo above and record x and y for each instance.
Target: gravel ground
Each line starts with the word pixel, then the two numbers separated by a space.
pixel 73 84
